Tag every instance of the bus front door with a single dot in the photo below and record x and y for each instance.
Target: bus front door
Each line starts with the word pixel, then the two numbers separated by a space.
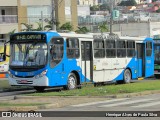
pixel 140 59
pixel 87 61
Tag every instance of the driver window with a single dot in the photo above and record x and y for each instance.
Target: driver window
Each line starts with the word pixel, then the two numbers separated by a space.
pixel 56 51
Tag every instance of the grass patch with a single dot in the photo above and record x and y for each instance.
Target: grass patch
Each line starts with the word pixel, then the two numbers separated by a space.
pixel 5 87
pixel 90 90
pixel 4 84
pixel 23 104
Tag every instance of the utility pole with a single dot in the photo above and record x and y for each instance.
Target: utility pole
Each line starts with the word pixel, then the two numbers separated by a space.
pixel 42 19
pixel 53 22
pixel 111 16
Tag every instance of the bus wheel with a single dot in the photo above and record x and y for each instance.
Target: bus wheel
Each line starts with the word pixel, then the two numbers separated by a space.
pixel 72 82
pixel 39 88
pixel 127 76
pixel 95 84
pixel 157 76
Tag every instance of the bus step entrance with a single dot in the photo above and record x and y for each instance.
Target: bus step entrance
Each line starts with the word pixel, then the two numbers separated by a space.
pixel 141 78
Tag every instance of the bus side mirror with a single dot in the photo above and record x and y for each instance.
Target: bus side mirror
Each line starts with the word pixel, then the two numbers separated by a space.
pixel 2 57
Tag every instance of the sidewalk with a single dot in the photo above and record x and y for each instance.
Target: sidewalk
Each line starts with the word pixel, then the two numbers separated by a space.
pixel 56 102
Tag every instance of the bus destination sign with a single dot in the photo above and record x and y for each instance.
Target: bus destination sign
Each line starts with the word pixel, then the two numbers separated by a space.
pixel 28 37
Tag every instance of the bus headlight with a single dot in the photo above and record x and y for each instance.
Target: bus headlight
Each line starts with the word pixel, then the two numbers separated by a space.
pixel 41 74
pixel 10 74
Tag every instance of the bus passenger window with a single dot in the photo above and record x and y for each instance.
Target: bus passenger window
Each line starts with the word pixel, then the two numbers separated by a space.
pixel 130 48
pixel 56 51
pixel 110 49
pixel 148 48
pixel 73 48
pixel 99 51
pixel 121 49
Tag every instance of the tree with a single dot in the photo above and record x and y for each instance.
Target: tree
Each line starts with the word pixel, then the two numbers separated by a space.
pixel 105 7
pixel 66 26
pixel 29 27
pixel 154 0
pixel 103 27
pixel 128 3
pixel 94 8
pixel 39 28
pixel 132 3
pixel 82 30
pixel 49 25
pixel 12 32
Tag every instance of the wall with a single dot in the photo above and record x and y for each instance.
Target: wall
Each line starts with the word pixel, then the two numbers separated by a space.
pixel 8 2
pixel 138 29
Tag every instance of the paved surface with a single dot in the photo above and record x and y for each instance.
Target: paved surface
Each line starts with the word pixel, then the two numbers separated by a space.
pixel 144 101
pixel 140 103
pixel 58 102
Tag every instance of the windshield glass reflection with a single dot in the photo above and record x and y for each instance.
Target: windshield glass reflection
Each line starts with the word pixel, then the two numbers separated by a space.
pixel 30 54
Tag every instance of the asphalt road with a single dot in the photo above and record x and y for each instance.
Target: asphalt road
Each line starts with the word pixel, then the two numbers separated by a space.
pixel 139 105
pixel 146 103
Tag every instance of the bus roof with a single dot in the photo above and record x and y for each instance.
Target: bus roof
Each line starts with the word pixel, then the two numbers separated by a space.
pixel 88 35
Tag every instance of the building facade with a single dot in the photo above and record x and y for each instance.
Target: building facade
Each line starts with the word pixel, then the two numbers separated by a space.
pixel 15 12
pixel 88 2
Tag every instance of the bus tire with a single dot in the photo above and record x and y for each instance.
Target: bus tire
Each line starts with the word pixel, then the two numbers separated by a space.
pixel 127 76
pixel 95 84
pixel 72 82
pixel 157 76
pixel 39 88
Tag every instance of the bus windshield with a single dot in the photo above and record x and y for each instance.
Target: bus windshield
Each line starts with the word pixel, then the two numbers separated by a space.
pixel 28 54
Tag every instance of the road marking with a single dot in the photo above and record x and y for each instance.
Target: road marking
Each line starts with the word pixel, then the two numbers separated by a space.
pixel 93 103
pixel 148 104
pixel 126 103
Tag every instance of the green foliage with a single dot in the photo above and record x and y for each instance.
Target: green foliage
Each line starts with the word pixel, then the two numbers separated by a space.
pixel 94 8
pixel 82 30
pixel 128 3
pixel 4 104
pixel 102 7
pixel 12 32
pixel 39 28
pixel 158 11
pixel 49 25
pixel 29 27
pixel 105 7
pixel 90 90
pixel 66 26
pixel 154 0
pixel 103 27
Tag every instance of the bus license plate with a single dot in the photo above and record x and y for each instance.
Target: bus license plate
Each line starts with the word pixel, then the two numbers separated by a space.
pixel 23 81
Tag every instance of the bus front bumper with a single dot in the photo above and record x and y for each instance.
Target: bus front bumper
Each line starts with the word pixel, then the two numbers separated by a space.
pixel 41 81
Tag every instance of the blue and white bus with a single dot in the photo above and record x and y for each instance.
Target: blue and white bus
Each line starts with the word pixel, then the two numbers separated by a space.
pixel 50 59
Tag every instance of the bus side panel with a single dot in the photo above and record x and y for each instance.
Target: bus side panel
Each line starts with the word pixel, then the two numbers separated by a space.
pixel 132 66
pixel 60 73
